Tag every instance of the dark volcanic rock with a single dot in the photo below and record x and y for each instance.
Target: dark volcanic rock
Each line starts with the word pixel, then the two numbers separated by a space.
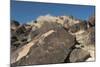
pixel 79 55
pixel 18 36
pixel 92 21
pixel 21 30
pixel 52 49
pixel 14 25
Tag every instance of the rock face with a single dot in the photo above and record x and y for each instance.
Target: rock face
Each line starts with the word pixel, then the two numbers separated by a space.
pixel 79 55
pixel 77 28
pixel 50 39
pixel 91 20
pixel 50 49
pixel 87 37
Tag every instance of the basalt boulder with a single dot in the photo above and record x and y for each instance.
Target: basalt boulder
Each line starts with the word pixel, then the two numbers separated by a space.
pixel 51 49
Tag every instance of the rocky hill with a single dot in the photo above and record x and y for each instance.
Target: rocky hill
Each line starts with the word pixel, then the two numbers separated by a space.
pixel 52 39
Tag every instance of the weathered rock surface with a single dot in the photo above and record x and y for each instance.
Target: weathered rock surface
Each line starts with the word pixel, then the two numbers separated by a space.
pixel 52 49
pixel 79 55
pixel 78 28
pixel 87 37
pixel 52 39
pixel 91 21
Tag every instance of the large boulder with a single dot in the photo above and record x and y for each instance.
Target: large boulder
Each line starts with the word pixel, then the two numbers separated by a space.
pixel 51 49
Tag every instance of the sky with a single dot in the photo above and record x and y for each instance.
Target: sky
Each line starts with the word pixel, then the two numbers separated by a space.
pixel 28 11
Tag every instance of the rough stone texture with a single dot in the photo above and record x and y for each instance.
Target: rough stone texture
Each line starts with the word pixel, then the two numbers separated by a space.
pixel 86 41
pixel 21 35
pixel 53 49
pixel 52 39
pixel 92 21
pixel 79 55
pixel 87 37
pixel 76 28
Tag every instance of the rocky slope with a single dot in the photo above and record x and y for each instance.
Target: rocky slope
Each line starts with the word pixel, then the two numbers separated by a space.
pixel 52 39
